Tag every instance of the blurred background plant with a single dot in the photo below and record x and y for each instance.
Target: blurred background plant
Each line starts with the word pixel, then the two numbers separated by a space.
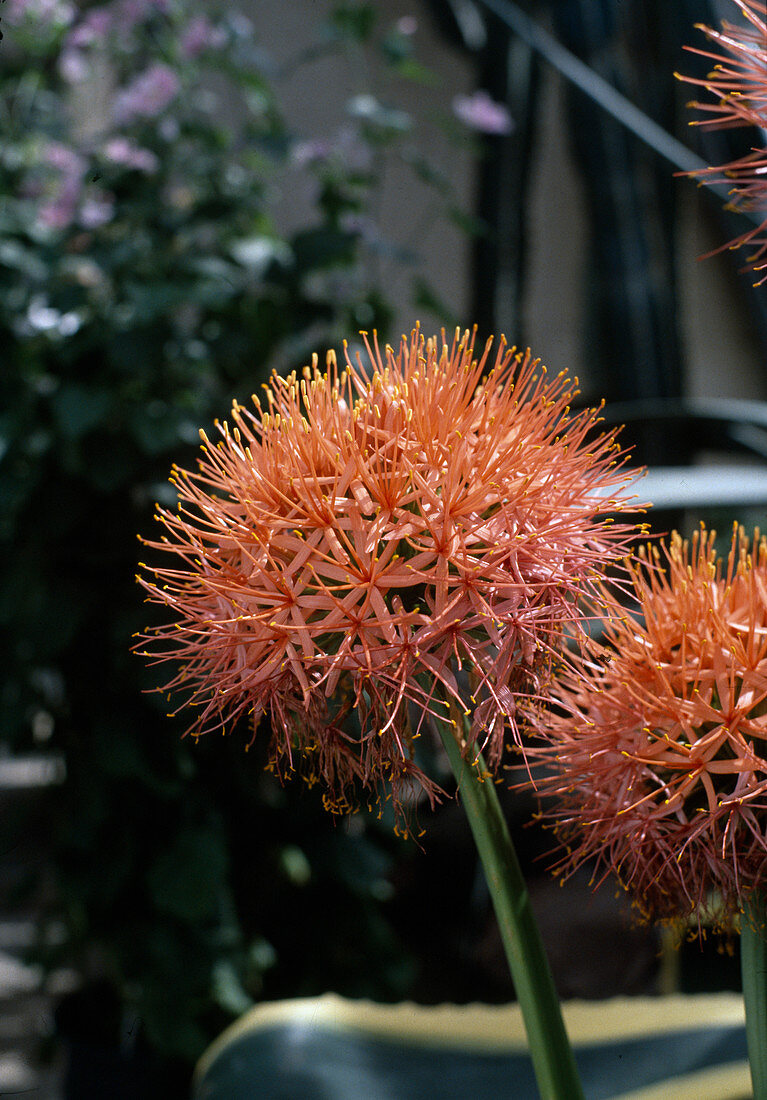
pixel 144 281
pixel 183 211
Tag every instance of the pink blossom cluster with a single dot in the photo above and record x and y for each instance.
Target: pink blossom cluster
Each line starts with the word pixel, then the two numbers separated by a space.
pixel 200 35
pixel 59 13
pixel 122 151
pixel 97 28
pixel 68 196
pixel 480 112
pixel 60 207
pixel 147 95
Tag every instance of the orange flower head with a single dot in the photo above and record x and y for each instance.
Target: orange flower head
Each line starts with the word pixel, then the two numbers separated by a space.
pixel 364 538
pixel 738 85
pixel 658 753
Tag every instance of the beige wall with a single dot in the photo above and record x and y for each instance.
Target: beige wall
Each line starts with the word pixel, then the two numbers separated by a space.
pixel 723 355
pixel 315 99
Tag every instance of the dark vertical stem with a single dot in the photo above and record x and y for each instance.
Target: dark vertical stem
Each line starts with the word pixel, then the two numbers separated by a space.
pixel 549 1045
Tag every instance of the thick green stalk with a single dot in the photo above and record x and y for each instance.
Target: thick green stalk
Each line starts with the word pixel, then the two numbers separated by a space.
pixel 753 964
pixel 550 1049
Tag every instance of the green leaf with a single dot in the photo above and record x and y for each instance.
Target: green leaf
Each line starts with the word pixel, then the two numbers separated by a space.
pixel 228 990
pixel 426 172
pixel 323 247
pixel 354 21
pixel 425 297
pixel 378 116
pixel 78 409
pixel 156 428
pixel 257 254
pixel 24 260
pixel 187 880
pixel 155 299
pixel 410 69
pixel 471 226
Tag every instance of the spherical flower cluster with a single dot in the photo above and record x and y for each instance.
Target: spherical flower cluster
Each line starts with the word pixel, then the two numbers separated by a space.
pixel 657 754
pixel 738 85
pixel 364 545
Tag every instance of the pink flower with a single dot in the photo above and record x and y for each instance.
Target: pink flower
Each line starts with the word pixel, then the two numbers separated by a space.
pixel 96 209
pixel 200 35
pixel 305 153
pixel 64 190
pixel 133 12
pixel 73 66
pixel 345 149
pixel 59 212
pixel 47 12
pixel 124 152
pixel 406 25
pixel 148 95
pixel 479 112
pixel 362 536
pixel 64 158
pixel 92 30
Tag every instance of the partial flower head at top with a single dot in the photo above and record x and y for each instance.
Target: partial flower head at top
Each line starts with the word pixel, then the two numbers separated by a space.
pixel 738 85
pixel 370 539
pixel 657 756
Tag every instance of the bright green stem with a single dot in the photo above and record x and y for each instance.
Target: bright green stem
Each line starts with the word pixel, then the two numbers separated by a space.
pixel 753 964
pixel 550 1049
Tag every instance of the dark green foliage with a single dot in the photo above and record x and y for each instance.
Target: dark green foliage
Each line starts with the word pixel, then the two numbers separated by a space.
pixel 140 290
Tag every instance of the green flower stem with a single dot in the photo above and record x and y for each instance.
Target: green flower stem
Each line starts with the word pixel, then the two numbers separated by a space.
pixel 550 1049
pixel 753 963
